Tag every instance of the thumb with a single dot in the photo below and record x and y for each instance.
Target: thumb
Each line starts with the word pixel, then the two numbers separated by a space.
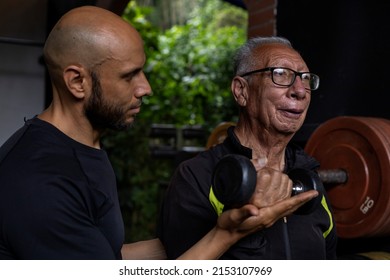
pixel 233 218
pixel 239 215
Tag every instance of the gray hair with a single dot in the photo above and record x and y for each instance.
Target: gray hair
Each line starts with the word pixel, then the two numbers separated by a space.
pixel 243 59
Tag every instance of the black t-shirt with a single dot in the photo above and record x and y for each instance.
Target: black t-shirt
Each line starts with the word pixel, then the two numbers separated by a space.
pixel 58 198
pixel 189 211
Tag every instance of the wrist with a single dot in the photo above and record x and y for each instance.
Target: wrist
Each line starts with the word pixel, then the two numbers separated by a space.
pixel 227 237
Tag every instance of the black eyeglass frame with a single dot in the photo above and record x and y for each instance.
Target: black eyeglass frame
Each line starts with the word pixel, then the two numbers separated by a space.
pixel 296 73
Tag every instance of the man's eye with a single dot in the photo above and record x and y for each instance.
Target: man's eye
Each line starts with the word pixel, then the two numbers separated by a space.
pixel 128 76
pixel 280 72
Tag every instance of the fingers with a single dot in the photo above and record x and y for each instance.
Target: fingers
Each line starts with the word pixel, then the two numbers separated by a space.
pixel 267 216
pixel 271 187
pixel 249 218
pixel 288 206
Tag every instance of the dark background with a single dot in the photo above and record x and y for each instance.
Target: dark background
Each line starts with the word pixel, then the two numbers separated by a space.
pixel 347 44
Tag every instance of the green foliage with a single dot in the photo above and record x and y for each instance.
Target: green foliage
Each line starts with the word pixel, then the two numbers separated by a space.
pixel 137 17
pixel 189 69
pixel 191 73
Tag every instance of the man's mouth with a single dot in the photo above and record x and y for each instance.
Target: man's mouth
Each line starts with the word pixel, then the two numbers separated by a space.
pixel 292 113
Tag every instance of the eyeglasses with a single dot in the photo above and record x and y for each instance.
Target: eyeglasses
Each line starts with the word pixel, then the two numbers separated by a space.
pixel 285 77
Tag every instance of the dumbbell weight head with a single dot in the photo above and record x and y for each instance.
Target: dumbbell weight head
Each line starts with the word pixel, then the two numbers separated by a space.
pixel 234 181
pixel 303 181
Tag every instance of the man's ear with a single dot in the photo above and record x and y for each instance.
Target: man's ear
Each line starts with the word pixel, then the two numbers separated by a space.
pixel 239 89
pixel 75 80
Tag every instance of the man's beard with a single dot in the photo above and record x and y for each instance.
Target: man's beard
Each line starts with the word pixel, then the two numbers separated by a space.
pixel 100 113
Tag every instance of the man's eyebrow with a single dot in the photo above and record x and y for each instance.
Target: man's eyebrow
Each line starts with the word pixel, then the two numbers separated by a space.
pixel 131 73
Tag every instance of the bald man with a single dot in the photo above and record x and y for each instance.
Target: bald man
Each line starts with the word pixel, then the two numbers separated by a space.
pixel 58 195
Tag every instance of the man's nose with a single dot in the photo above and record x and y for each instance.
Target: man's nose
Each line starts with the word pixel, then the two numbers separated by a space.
pixel 298 89
pixel 144 86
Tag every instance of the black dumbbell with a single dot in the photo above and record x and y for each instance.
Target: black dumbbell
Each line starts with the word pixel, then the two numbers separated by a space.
pixel 234 181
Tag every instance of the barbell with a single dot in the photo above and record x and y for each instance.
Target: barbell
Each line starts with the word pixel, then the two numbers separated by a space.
pixel 354 156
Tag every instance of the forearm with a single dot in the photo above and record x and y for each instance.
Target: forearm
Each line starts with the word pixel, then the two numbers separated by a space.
pixel 229 229
pixel 212 246
pixel 144 250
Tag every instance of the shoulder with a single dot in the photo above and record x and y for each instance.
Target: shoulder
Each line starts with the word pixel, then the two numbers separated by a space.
pixel 204 161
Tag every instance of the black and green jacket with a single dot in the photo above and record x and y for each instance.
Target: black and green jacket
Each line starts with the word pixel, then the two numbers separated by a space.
pixel 190 210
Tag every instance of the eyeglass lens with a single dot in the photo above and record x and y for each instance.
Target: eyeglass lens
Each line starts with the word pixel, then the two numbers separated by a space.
pixel 286 77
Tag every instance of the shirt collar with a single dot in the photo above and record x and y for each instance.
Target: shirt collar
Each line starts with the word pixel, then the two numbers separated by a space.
pixel 234 143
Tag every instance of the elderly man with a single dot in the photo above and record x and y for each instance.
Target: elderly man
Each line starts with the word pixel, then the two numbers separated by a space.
pixel 272 87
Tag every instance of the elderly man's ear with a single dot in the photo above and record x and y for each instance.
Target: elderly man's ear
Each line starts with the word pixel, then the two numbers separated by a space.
pixel 239 89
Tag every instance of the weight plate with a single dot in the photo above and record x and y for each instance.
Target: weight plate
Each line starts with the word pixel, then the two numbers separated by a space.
pixel 219 134
pixel 383 221
pixel 361 147
pixel 234 180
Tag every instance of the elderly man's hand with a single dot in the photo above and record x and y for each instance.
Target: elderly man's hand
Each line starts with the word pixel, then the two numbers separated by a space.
pixel 270 202
pixel 271 186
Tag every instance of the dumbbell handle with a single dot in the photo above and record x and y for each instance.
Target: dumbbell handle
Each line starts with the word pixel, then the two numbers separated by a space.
pixel 333 176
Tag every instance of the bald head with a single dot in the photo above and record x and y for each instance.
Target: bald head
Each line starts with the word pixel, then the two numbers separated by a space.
pixel 87 36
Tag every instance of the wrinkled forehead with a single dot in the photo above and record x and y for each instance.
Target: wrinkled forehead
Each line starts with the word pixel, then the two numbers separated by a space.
pixel 274 55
